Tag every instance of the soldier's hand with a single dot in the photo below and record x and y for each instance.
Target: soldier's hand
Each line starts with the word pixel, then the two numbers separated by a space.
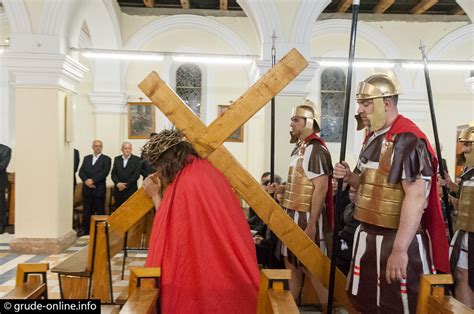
pixel 396 267
pixel 447 178
pixel 442 181
pixel 342 171
pixel 447 181
pixel 310 230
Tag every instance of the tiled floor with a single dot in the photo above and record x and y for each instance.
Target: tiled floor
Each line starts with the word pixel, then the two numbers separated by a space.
pixel 8 262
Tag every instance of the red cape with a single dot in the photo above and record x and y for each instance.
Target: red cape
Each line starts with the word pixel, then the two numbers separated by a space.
pixel 433 217
pixel 202 242
pixel 329 196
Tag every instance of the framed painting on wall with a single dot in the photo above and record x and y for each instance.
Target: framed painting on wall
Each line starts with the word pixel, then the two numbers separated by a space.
pixel 238 135
pixel 141 119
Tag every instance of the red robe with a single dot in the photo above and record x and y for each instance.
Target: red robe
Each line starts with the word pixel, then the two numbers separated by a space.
pixel 202 242
pixel 432 219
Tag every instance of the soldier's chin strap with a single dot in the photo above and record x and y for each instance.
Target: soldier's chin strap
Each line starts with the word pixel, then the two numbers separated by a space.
pixel 469 158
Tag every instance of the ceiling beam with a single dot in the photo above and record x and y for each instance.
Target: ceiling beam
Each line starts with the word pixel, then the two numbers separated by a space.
pixel 382 6
pixel 224 4
pixel 344 5
pixel 457 11
pixel 423 6
pixel 149 3
pixel 185 4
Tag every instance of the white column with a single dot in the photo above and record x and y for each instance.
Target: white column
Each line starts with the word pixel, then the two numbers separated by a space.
pixel 291 96
pixel 111 125
pixel 7 108
pixel 43 156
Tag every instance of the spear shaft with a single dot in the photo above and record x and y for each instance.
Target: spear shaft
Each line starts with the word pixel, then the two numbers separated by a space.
pixel 342 156
pixel 447 205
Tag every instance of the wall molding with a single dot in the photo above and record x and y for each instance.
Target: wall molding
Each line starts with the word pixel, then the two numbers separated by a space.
pixel 17 16
pixel 44 70
pixel 109 102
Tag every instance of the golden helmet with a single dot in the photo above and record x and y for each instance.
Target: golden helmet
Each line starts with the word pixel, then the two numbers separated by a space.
pixel 467 135
pixel 377 86
pixel 308 111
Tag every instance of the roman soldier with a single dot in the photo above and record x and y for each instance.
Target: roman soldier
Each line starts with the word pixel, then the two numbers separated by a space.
pixel 397 205
pixel 308 194
pixel 462 244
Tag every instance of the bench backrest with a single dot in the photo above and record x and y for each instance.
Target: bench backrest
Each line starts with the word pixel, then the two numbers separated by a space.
pixel 431 297
pixel 272 295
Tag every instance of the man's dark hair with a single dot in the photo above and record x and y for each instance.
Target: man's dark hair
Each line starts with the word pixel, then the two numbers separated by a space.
pixel 276 178
pixel 173 160
pixel 394 99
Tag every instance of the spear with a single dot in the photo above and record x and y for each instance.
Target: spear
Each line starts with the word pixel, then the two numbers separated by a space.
pixel 342 157
pixel 447 205
pixel 272 131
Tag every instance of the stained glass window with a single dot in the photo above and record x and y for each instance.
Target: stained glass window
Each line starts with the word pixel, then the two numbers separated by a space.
pixel 333 81
pixel 188 86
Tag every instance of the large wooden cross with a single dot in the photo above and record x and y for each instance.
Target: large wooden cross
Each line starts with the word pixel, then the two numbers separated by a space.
pixel 208 143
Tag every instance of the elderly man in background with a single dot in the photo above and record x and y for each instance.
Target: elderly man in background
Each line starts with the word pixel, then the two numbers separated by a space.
pixel 93 173
pixel 125 174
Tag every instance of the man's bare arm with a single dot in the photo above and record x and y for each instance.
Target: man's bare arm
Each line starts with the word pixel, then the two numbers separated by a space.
pixel 410 217
pixel 317 201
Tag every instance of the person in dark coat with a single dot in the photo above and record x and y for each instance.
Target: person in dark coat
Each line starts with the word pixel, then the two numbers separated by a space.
pixel 5 156
pixel 94 171
pixel 76 165
pixel 125 174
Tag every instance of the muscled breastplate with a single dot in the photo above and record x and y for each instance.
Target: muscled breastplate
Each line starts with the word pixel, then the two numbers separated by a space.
pixel 465 220
pixel 299 189
pixel 378 201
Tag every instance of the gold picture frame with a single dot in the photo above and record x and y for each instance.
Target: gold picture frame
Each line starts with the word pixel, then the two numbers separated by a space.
pixel 141 120
pixel 238 135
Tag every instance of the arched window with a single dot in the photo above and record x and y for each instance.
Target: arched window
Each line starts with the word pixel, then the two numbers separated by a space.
pixel 333 82
pixel 188 86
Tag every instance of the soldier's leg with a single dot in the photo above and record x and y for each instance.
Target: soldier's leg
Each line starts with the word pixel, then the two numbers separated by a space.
pixel 463 292
pixel 321 291
pixel 296 279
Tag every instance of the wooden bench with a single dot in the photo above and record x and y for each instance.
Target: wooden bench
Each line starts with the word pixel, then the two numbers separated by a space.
pixel 143 290
pixel 31 282
pixel 138 237
pixel 273 295
pixel 431 297
pixel 88 274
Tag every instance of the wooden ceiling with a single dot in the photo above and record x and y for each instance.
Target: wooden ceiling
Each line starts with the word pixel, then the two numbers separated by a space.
pixel 405 7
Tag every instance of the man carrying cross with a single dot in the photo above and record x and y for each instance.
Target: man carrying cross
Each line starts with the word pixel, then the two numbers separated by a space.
pixel 200 237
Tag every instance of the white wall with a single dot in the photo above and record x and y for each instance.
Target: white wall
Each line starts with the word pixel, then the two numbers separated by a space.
pixel 454 105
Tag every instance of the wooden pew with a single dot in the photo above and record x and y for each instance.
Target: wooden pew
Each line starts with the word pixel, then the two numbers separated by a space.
pixel 142 291
pixel 31 282
pixel 138 237
pixel 273 295
pixel 88 274
pixel 432 300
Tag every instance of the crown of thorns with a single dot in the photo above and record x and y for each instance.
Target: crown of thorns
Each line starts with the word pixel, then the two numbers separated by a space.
pixel 160 143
